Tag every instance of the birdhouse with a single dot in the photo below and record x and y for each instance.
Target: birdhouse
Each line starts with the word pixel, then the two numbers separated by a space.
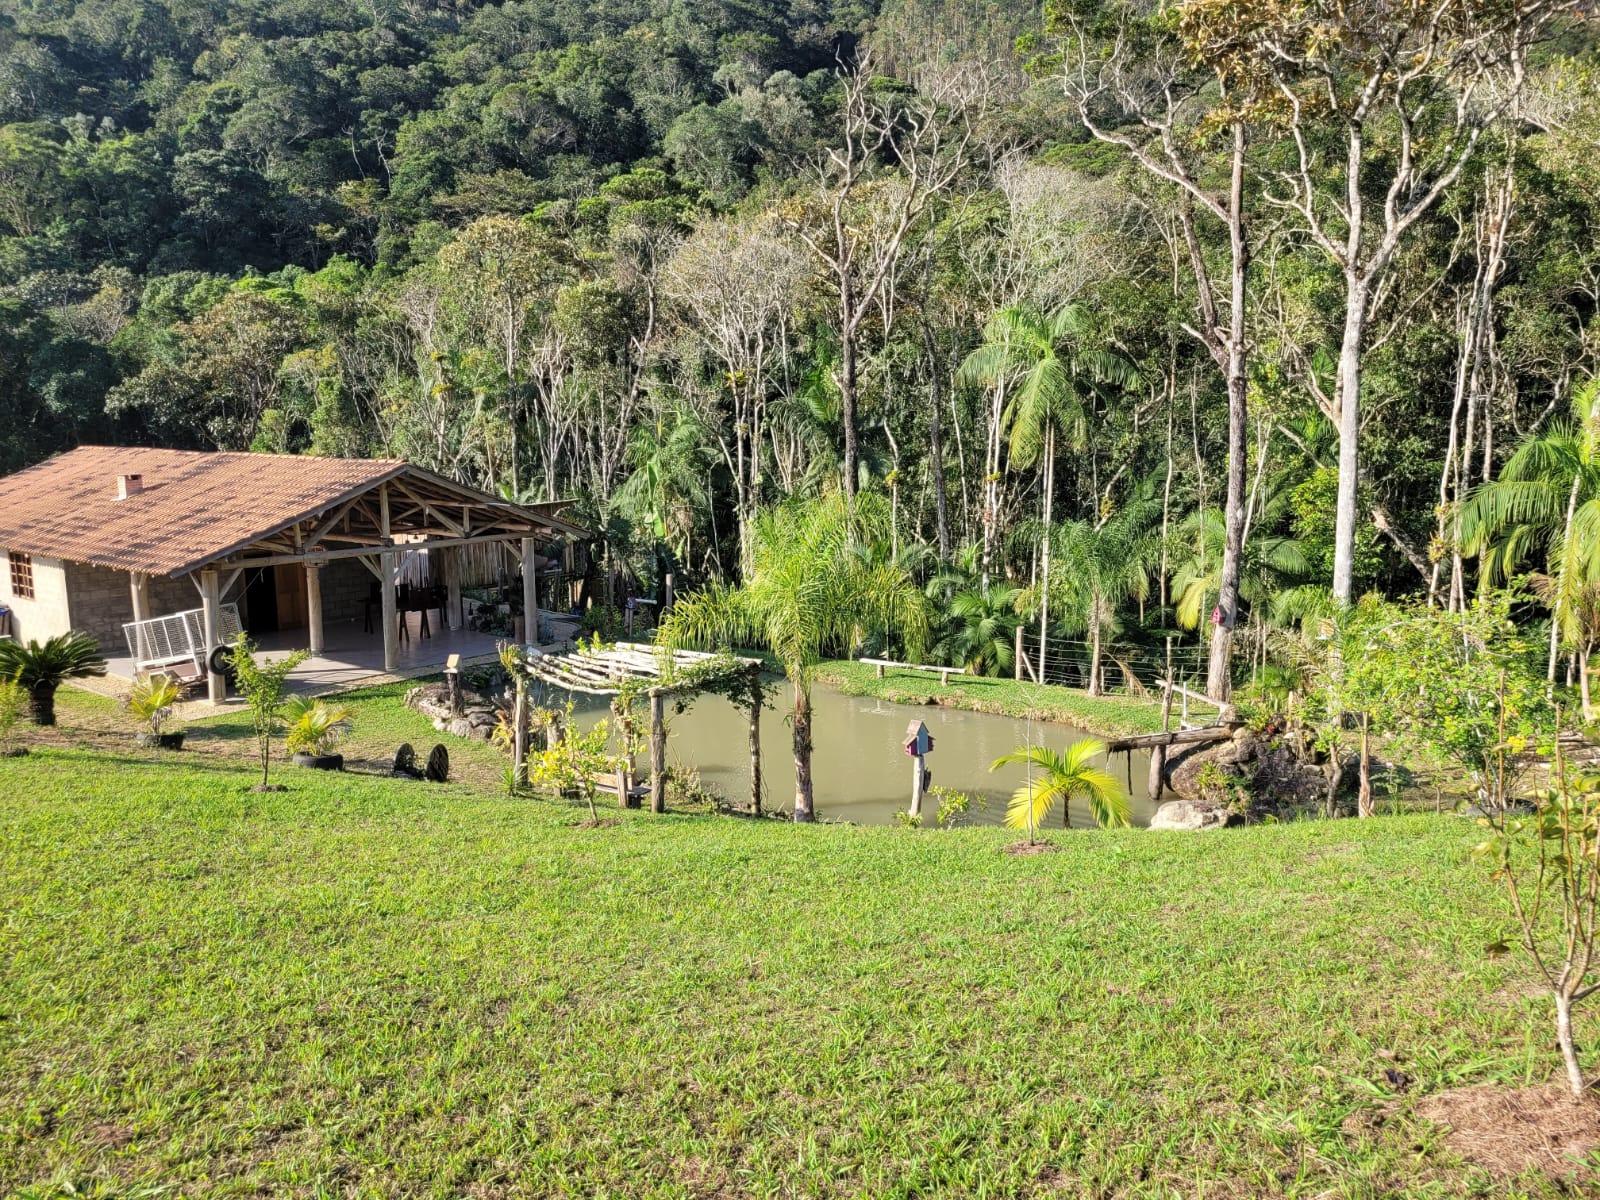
pixel 918 740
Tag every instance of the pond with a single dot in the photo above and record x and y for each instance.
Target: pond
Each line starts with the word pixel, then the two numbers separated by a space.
pixel 859 769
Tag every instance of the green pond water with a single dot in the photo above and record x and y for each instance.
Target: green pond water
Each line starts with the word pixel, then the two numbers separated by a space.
pixel 860 770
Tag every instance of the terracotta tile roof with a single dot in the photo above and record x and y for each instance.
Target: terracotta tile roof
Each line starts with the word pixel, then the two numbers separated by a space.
pixel 194 506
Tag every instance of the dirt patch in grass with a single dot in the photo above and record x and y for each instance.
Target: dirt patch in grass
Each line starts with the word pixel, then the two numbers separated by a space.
pixel 1508 1131
pixel 110 1136
pixel 1029 849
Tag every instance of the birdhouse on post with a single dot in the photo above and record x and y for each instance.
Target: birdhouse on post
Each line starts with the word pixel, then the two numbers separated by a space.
pixel 918 743
pixel 452 683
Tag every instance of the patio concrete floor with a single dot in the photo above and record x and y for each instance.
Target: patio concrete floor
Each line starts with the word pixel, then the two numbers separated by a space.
pixel 352 657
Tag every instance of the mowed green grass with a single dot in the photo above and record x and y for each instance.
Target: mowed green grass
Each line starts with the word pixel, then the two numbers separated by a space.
pixel 1104 716
pixel 364 987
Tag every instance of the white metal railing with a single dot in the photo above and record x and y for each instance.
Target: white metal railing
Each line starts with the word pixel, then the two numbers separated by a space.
pixel 179 637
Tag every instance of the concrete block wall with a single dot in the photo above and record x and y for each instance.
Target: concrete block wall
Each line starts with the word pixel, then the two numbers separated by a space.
pixel 47 614
pixel 345 587
pixel 100 602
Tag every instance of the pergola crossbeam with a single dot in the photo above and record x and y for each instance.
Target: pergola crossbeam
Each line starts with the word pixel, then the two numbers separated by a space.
pixel 613 670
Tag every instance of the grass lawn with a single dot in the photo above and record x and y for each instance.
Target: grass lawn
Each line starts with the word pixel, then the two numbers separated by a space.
pixel 365 987
pixel 89 721
pixel 1104 716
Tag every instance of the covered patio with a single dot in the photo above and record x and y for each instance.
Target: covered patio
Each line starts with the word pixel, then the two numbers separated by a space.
pixel 166 555
pixel 351 657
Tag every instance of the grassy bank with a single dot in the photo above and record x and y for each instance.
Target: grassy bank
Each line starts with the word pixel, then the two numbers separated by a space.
pixel 1104 716
pixel 364 987
pixel 89 721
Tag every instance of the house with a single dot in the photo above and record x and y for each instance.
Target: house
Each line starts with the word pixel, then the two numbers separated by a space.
pixel 102 538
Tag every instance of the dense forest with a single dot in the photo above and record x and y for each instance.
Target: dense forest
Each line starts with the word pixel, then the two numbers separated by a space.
pixel 1135 319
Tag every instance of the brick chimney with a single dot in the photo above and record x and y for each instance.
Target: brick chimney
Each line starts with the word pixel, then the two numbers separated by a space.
pixel 129 485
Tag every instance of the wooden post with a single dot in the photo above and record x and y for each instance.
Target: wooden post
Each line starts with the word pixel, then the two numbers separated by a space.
pixel 314 607
pixel 1016 657
pixel 530 592
pixel 1158 756
pixel 658 752
pixel 918 777
pixel 211 623
pixel 519 733
pixel 451 566
pixel 667 598
pixel 387 569
pixel 139 583
pixel 755 740
pixel 388 564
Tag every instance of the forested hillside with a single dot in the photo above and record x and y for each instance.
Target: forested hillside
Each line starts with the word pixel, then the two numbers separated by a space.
pixel 1239 301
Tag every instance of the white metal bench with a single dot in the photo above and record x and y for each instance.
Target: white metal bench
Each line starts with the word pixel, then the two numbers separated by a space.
pixel 883 664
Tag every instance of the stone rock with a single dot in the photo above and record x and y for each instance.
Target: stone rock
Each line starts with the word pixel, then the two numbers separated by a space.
pixel 1191 816
pixel 461 727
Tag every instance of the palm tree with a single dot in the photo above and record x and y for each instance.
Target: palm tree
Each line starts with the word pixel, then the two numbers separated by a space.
pixel 980 630
pixel 810 592
pixel 978 624
pixel 41 668
pixel 1101 566
pixel 1269 564
pixel 1057 375
pixel 1546 501
pixel 1063 775
pixel 667 486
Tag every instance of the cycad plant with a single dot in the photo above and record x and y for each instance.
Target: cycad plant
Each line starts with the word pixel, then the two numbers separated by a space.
pixel 42 667
pixel 810 592
pixel 1058 374
pixel 1063 775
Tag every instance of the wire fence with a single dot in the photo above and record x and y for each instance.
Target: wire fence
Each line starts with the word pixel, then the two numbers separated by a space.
pixel 1131 668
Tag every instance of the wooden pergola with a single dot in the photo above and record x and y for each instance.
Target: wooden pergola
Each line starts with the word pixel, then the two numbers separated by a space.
pixel 659 672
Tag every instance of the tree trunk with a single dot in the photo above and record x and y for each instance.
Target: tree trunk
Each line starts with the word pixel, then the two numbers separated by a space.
pixel 1219 679
pixel 1219 669
pixel 941 500
pixel 1364 805
pixel 802 754
pixel 1555 602
pixel 1357 302
pixel 755 745
pixel 42 703
pixel 847 391
pixel 1569 1050
pixel 991 484
pixel 1044 568
pixel 1583 683
pixel 1094 660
